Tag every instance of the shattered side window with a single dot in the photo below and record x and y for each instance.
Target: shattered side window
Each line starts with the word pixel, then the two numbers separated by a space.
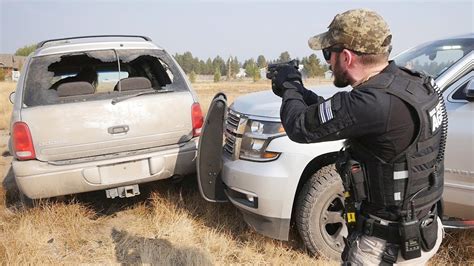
pixel 96 75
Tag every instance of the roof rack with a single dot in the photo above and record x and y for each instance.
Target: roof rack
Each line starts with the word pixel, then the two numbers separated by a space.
pixel 41 44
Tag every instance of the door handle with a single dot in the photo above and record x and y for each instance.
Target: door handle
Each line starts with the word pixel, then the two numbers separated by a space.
pixel 118 129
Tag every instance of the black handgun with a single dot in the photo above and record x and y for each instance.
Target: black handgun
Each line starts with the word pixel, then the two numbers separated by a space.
pixel 272 69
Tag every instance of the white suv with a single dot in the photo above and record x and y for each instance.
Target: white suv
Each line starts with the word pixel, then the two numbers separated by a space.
pixel 275 181
pixel 101 113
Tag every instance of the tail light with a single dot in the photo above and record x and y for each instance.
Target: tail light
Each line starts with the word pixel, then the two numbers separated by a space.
pixel 22 142
pixel 197 119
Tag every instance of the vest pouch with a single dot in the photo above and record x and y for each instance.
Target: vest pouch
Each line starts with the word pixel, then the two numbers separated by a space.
pixel 358 180
pixel 410 240
pixel 375 183
pixel 429 232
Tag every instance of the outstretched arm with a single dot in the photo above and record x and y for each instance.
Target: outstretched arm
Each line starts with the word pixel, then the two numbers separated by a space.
pixel 345 115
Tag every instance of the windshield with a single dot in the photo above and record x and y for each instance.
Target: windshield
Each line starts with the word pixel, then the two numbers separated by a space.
pixel 436 57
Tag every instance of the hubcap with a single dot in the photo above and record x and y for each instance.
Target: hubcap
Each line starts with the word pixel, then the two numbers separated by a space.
pixel 332 224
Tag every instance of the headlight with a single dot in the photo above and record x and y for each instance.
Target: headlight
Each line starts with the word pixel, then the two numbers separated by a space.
pixel 256 127
pixel 256 138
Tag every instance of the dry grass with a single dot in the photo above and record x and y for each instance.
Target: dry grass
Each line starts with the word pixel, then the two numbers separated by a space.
pixel 206 90
pixel 457 248
pixel 5 106
pixel 167 224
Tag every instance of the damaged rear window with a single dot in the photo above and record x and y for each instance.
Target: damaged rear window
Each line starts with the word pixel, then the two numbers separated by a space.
pixel 96 75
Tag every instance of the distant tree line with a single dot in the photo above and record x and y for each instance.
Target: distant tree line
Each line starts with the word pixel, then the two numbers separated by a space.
pixel 229 68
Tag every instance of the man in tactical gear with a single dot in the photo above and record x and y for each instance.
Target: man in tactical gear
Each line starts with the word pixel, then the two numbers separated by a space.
pixel 395 123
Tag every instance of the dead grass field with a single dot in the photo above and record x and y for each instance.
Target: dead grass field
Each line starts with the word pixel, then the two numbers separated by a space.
pixel 168 224
pixel 5 106
pixel 207 90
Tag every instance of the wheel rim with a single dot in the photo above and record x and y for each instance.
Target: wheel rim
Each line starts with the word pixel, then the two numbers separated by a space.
pixel 332 225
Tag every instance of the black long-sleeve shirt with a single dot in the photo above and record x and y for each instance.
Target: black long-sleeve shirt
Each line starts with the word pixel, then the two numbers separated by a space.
pixel 379 121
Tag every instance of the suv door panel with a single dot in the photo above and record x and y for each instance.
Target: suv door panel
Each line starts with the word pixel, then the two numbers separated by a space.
pixel 209 160
pixel 459 169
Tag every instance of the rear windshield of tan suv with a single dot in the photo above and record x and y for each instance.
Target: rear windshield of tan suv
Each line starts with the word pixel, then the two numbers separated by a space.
pixel 98 75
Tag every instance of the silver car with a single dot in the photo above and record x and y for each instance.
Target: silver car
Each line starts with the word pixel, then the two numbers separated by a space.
pixel 276 182
pixel 101 113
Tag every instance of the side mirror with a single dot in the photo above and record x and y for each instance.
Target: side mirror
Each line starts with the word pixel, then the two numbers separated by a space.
pixel 469 90
pixel 12 97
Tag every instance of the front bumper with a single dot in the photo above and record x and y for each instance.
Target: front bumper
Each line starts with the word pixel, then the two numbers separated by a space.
pixel 37 179
pixel 264 191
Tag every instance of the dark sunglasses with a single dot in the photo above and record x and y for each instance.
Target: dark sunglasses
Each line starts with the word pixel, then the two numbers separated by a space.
pixel 327 51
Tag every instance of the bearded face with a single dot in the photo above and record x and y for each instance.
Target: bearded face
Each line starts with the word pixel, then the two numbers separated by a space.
pixel 341 78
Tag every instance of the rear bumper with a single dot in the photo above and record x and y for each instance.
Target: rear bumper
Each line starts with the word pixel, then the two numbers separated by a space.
pixel 38 179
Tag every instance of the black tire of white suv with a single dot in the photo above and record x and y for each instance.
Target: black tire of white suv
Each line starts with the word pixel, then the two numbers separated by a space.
pixel 319 209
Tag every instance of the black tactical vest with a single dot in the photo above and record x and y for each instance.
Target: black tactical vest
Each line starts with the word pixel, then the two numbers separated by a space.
pixel 414 178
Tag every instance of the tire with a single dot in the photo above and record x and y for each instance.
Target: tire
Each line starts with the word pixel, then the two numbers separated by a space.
pixel 26 202
pixel 14 197
pixel 319 210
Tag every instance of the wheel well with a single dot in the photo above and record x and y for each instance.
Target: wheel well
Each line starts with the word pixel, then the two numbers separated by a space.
pixel 313 166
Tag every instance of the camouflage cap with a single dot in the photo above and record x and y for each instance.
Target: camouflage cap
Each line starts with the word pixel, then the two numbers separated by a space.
pixel 360 30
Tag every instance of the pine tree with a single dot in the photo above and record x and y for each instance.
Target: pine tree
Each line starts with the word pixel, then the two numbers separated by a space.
pixel 256 75
pixel 195 66
pixel 252 70
pixel 209 67
pixel 192 77
pixel 235 66
pixel 187 62
pixel 250 67
pixel 284 57
pixel 312 66
pixel 219 63
pixel 217 75
pixel 229 68
pixel 261 61
pixel 203 67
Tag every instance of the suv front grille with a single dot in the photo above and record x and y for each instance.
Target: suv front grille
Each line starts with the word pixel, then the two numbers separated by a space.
pixel 234 127
pixel 229 144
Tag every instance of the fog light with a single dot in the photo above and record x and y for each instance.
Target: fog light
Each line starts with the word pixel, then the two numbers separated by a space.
pixel 250 198
pixel 243 197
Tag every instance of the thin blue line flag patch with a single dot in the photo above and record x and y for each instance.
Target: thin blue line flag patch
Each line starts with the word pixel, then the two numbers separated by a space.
pixel 325 112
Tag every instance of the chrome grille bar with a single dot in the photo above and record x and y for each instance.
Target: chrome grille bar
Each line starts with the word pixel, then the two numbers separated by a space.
pixel 233 126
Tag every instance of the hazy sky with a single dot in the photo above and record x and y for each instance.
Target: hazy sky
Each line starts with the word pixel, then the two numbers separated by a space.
pixel 239 28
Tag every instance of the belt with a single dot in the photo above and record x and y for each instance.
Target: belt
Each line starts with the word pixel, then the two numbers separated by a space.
pixel 373 227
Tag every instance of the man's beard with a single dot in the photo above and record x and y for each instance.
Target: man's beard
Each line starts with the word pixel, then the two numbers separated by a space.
pixel 341 79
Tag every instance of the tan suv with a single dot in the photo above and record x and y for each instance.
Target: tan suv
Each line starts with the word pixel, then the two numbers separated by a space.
pixel 101 113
